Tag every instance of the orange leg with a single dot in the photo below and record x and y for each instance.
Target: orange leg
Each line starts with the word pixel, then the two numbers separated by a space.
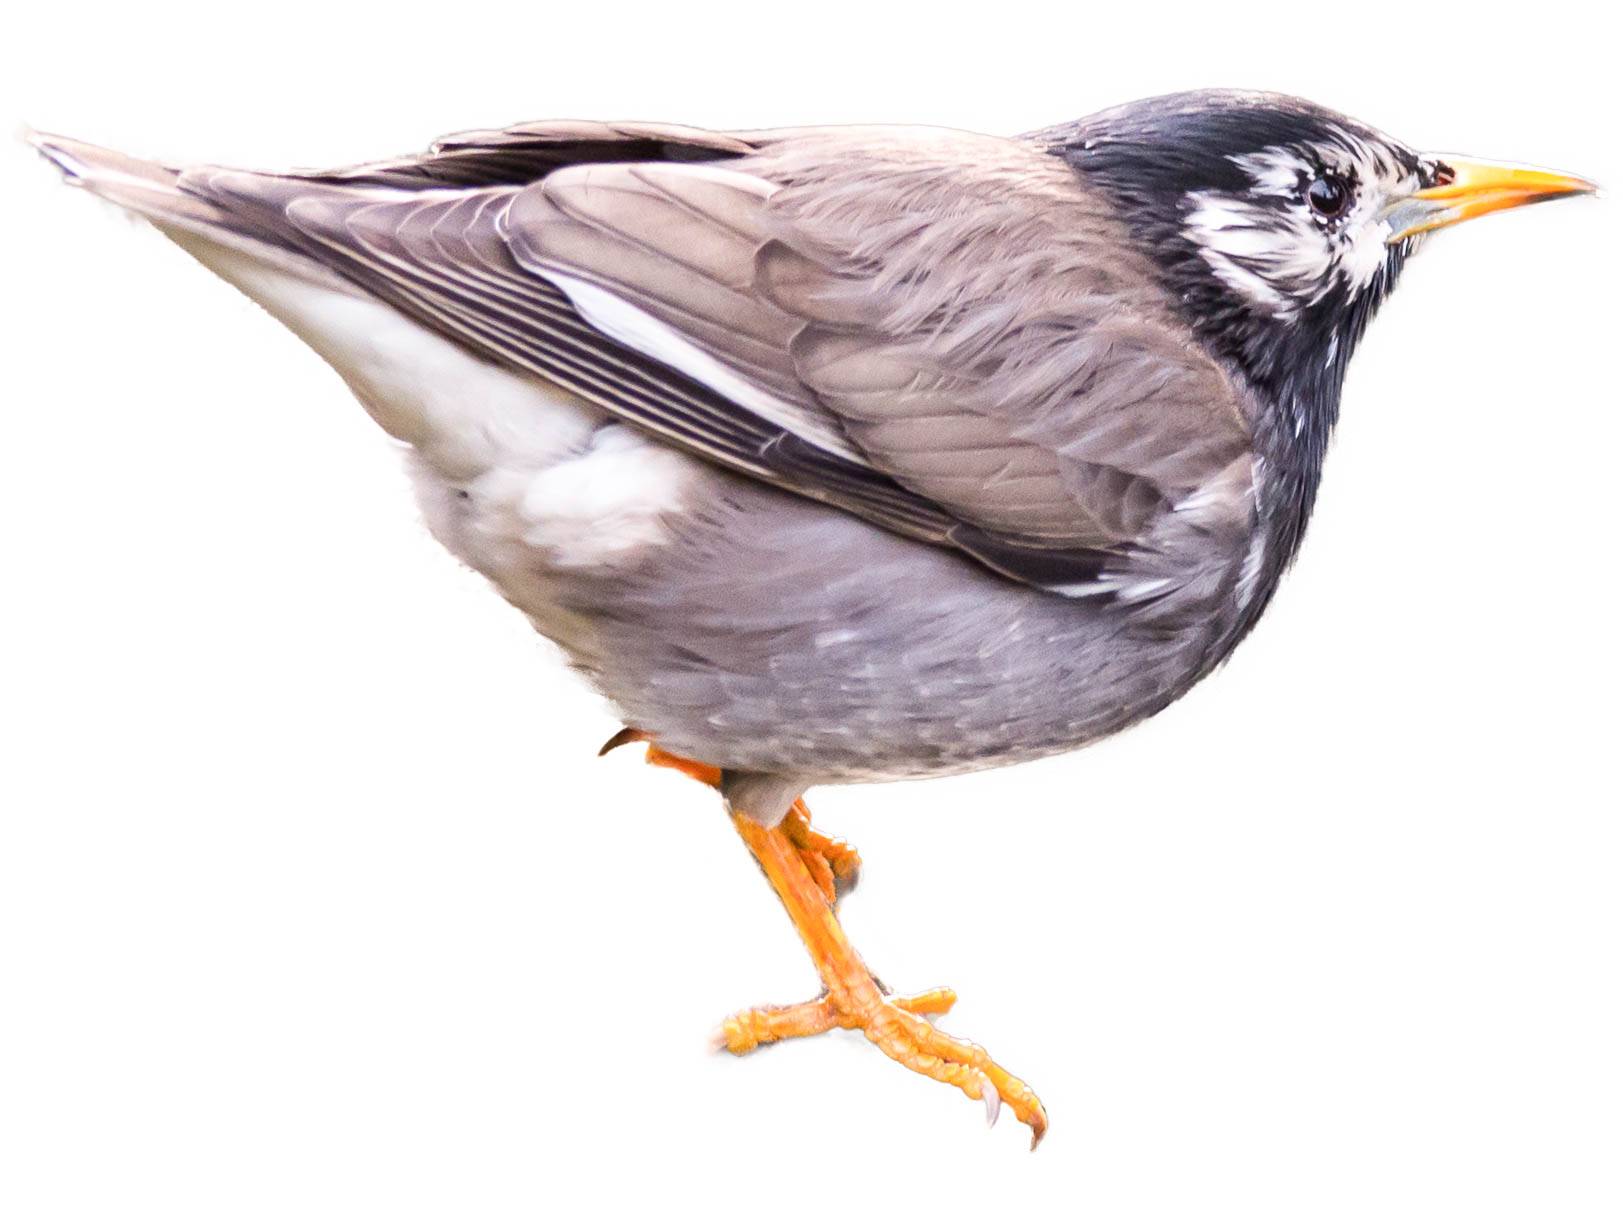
pixel 834 864
pixel 804 868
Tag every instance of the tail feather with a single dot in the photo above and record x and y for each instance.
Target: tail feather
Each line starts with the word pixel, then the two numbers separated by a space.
pixel 144 187
pixel 463 413
pixel 160 194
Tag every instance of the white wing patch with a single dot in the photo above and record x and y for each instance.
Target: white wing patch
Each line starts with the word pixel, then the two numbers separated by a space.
pixel 627 324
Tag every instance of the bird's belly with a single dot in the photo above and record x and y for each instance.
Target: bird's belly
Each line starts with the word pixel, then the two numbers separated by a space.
pixel 756 630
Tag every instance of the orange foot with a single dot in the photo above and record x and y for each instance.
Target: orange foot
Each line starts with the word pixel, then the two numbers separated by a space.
pixel 808 870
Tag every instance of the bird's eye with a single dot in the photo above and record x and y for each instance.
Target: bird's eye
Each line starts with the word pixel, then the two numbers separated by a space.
pixel 1329 195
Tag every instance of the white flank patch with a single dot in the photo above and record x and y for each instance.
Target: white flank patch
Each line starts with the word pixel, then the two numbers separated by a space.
pixel 610 500
pixel 627 324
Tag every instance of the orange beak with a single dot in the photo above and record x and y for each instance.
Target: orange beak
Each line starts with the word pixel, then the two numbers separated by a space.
pixel 1467 189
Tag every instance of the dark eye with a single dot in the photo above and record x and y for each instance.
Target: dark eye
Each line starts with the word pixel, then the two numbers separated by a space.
pixel 1329 196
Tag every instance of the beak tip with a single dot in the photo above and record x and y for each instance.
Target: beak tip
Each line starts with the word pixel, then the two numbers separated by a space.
pixel 1574 186
pixel 1475 188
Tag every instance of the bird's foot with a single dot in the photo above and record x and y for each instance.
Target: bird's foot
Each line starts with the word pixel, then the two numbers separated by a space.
pixel 809 871
pixel 750 1029
pixel 898 1026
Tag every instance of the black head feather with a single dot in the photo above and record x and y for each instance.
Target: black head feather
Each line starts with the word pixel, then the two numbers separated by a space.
pixel 1151 157
pixel 1155 160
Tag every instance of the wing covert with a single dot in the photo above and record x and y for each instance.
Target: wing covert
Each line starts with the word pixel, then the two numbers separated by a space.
pixel 936 331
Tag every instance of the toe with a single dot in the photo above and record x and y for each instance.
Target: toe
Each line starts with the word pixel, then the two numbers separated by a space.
pixel 905 1037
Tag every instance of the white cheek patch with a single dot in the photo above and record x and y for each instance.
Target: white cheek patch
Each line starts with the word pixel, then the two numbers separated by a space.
pixel 1276 171
pixel 1364 254
pixel 1268 247
pixel 1226 233
pixel 1280 260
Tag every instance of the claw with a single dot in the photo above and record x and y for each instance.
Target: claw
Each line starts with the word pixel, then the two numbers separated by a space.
pixel 1038 1132
pixel 625 735
pixel 992 1099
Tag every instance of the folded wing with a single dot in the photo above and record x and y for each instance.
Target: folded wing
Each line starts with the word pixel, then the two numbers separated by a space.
pixel 937 332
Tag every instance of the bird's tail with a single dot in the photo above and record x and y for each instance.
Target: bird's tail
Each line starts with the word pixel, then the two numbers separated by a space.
pixel 420 386
pixel 144 187
pixel 159 194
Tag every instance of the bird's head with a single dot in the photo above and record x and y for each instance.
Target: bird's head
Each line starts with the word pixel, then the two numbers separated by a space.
pixel 1278 225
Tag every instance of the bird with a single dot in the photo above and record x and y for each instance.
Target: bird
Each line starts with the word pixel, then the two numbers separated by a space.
pixel 853 454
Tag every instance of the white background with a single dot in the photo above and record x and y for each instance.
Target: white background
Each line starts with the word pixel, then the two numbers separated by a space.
pixel 313 898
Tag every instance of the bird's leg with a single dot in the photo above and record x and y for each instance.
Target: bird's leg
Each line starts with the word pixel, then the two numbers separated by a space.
pixel 804 868
pixel 833 864
pixel 854 999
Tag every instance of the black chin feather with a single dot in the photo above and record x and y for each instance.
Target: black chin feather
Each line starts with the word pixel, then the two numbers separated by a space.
pixel 1298 368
